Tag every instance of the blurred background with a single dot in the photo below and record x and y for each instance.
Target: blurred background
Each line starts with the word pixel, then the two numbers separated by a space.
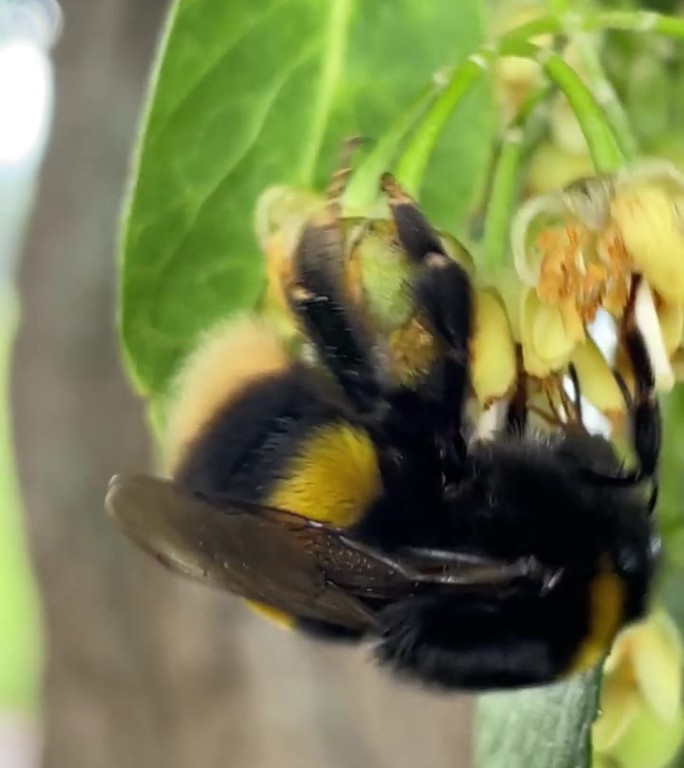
pixel 105 660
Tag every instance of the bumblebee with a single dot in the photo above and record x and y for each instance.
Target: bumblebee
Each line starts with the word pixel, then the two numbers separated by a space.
pixel 350 506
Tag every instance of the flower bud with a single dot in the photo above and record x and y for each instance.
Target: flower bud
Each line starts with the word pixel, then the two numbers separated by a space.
pixel 492 351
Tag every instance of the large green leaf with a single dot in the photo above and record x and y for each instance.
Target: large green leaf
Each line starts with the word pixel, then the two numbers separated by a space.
pixel 253 93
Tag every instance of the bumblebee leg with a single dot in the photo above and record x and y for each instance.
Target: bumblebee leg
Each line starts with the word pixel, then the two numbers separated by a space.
pixel 645 412
pixel 643 406
pixel 577 392
pixel 319 298
pixel 319 301
pixel 443 293
pixel 516 413
pixel 482 639
pixel 646 420
pixel 416 235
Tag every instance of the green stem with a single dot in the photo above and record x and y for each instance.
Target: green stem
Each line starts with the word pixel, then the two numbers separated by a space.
pixel 504 186
pixel 503 190
pixel 603 146
pixel 605 94
pixel 332 68
pixel 626 21
pixel 600 138
pixel 363 187
pixel 413 161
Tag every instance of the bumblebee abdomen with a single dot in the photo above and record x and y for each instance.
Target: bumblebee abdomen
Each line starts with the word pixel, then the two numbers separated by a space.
pixel 232 357
pixel 274 436
pixel 333 475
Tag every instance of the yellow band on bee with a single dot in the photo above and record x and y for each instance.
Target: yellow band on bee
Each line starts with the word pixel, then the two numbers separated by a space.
pixel 334 476
pixel 606 608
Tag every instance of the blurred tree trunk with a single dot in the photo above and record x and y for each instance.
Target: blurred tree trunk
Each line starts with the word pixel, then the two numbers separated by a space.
pixel 142 669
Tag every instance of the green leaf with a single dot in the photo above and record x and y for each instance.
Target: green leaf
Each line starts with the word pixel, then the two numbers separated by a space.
pixel 542 728
pixel 250 94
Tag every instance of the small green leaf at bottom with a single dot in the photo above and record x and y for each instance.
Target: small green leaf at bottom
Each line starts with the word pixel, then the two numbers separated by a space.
pixel 538 728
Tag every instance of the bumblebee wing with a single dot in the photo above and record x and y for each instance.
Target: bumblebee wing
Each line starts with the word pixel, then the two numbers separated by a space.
pixel 258 553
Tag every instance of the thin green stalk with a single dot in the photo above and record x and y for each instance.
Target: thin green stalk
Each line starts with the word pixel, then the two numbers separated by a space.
pixel 332 67
pixel 413 160
pixel 605 148
pixel 503 189
pixel 502 198
pixel 627 21
pixel 605 94
pixel 363 187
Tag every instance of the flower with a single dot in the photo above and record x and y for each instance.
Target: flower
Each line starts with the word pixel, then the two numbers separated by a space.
pixel 641 724
pixel 581 249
